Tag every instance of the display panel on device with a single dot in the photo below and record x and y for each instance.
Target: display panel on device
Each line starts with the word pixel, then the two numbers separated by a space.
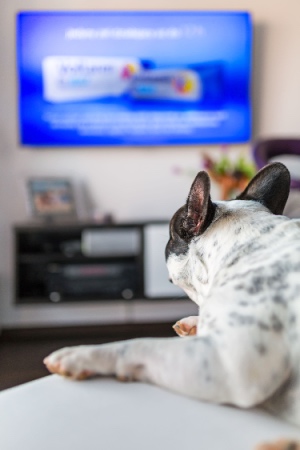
pixel 134 78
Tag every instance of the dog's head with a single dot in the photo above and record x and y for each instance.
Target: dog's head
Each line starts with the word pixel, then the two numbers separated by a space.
pixel 270 188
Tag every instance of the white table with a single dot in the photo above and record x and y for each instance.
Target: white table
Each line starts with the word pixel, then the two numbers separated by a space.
pixel 55 413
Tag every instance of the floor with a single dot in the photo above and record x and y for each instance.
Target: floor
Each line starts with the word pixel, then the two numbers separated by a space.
pixel 22 351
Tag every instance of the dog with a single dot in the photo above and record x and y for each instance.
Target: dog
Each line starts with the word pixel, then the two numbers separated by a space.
pixel 239 261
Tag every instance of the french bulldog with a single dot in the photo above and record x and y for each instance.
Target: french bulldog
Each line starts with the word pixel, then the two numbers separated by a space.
pixel 239 261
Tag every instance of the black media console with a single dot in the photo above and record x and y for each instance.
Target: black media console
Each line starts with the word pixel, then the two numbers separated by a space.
pixel 77 262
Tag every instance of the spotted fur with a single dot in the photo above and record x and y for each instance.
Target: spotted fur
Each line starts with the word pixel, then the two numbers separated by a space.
pixel 240 262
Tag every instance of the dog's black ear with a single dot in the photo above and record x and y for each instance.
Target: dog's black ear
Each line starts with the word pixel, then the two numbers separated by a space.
pixel 199 208
pixel 270 187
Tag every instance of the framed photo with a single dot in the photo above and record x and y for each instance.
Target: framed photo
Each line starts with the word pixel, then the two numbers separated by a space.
pixel 51 198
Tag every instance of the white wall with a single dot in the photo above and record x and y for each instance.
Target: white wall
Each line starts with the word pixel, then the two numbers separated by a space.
pixel 135 183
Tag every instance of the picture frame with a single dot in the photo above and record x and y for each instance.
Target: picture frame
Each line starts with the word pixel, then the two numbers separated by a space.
pixel 51 197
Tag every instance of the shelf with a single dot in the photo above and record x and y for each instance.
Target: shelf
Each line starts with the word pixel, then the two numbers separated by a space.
pixel 33 258
pixel 45 273
pixel 50 268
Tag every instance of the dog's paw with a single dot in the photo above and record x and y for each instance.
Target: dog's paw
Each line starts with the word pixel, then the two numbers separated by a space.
pixel 282 444
pixel 69 362
pixel 186 326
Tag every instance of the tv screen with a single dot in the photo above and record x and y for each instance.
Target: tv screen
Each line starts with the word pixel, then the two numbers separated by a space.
pixel 134 78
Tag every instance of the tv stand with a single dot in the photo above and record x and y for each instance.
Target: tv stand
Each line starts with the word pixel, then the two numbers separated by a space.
pixel 90 262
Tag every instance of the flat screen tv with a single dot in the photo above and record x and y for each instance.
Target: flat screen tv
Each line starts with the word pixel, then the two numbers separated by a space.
pixel 134 78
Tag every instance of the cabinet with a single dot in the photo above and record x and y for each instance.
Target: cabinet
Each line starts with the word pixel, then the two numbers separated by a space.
pixel 78 262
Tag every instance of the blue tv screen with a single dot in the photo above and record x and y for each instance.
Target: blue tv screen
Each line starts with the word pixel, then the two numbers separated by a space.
pixel 134 78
